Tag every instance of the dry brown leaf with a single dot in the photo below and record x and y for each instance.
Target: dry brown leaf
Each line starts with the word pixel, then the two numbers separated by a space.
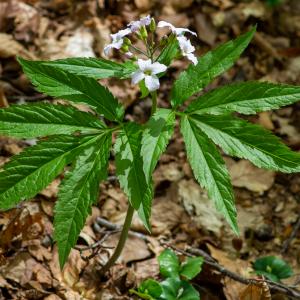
pixel 246 175
pixel 205 30
pixel 199 206
pixel 10 48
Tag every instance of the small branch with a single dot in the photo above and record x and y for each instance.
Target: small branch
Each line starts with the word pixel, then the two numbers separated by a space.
pixel 287 242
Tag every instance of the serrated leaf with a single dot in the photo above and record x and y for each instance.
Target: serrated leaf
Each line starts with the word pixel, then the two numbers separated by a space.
pixel 97 68
pixel 156 136
pixel 168 263
pixel 33 169
pixel 209 66
pixel 169 52
pixel 191 267
pixel 209 169
pixel 42 119
pixel 157 133
pixel 78 191
pixel 130 163
pixel 76 88
pixel 246 98
pixel 242 139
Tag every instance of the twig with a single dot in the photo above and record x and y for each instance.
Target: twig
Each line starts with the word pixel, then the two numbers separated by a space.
pixel 209 260
pixel 287 242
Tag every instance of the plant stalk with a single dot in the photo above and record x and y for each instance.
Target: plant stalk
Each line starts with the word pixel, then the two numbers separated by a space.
pixel 122 241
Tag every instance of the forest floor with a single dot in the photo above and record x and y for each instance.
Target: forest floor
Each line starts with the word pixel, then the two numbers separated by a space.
pixel 183 217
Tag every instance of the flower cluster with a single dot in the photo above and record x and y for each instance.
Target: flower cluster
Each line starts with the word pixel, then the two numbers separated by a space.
pixel 149 68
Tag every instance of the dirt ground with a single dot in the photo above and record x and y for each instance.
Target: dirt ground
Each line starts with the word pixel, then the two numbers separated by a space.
pixel 268 203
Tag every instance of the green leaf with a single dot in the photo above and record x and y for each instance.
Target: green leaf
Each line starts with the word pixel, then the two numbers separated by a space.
pixel 188 292
pixel 170 288
pixel 209 169
pixel 209 66
pixel 130 163
pixel 246 98
pixel 33 169
pixel 61 84
pixel 191 267
pixel 96 68
pixel 273 268
pixel 169 52
pixel 168 263
pixel 150 287
pixel 239 138
pixel 156 136
pixel 78 191
pixel 176 289
pixel 42 119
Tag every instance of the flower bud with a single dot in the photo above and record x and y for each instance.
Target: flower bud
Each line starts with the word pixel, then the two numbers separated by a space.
pixel 127 41
pixel 152 25
pixel 124 48
pixel 143 32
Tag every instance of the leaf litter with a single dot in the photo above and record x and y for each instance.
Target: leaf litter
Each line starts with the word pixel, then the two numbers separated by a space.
pixel 268 203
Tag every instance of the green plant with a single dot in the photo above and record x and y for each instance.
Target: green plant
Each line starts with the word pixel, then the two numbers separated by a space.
pixel 273 268
pixel 177 276
pixel 68 136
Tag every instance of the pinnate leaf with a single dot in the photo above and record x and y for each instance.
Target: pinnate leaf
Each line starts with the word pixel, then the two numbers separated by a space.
pixel 242 139
pixel 96 68
pixel 246 98
pixel 209 169
pixel 78 191
pixel 42 119
pixel 33 169
pixel 157 133
pixel 156 136
pixel 76 88
pixel 209 66
pixel 129 163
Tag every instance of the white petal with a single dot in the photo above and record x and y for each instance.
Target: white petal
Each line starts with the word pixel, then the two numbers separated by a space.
pixel 185 45
pixel 165 24
pixel 118 44
pixel 107 49
pixel 144 64
pixel 123 32
pixel 145 21
pixel 192 58
pixel 137 76
pixel 180 31
pixel 134 26
pixel 128 54
pixel 152 83
pixel 157 68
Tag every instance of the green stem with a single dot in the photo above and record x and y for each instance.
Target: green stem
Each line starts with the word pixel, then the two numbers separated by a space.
pixel 154 102
pixel 122 241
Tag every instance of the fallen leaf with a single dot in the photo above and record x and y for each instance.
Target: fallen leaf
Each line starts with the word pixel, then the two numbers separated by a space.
pixel 199 206
pixel 246 175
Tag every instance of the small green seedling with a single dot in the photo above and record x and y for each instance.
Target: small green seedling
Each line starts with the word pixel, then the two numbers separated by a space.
pixel 78 143
pixel 272 268
pixel 175 285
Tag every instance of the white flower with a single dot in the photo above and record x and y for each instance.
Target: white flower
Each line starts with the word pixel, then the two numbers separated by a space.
pixel 148 70
pixel 178 31
pixel 136 25
pixel 117 40
pixel 187 49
